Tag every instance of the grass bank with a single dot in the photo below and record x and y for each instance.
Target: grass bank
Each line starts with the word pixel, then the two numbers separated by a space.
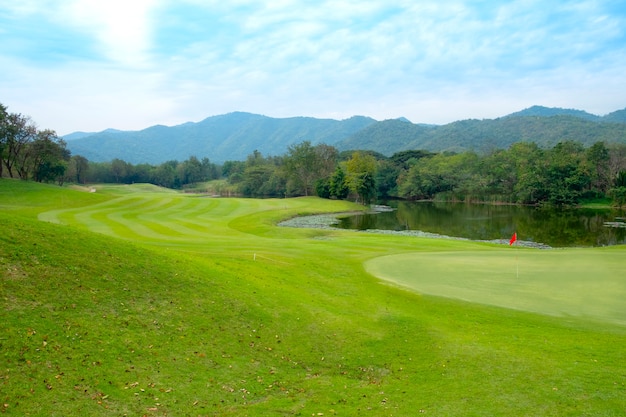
pixel 133 301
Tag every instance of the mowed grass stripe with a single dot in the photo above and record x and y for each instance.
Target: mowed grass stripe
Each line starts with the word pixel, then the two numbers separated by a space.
pixel 588 283
pixel 66 215
pixel 150 217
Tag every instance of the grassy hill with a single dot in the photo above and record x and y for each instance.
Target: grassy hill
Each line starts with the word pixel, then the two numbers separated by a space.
pixel 135 300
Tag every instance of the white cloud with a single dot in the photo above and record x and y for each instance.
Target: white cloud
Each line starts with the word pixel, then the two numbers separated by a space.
pixel 122 28
pixel 166 61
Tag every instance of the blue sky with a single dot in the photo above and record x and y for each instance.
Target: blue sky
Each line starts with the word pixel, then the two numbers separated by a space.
pixel 88 65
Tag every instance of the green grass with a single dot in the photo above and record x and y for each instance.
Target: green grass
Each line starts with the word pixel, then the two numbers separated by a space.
pixel 588 283
pixel 180 305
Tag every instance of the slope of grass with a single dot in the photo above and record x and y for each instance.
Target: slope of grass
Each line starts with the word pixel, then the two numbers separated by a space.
pixel 30 198
pixel 244 318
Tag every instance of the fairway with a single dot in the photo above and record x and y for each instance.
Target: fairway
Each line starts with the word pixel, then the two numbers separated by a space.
pixel 585 283
pixel 133 300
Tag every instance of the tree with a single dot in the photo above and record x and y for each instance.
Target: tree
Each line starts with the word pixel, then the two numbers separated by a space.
pixel 322 188
pixel 120 169
pixel 300 166
pixel 405 159
pixel 361 171
pixel 47 157
pixel 338 187
pixel 617 160
pixel 387 179
pixel 77 169
pixel 233 171
pixel 618 192
pixel 191 171
pixel 565 176
pixel 165 175
pixel 255 180
pixel 500 175
pixel 4 135
pixel 17 131
pixel 597 162
pixel 428 177
pixel 530 165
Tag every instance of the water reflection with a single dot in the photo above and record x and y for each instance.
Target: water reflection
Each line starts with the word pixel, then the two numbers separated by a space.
pixel 557 228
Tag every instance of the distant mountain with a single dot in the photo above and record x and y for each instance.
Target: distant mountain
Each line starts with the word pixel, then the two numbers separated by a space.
pixel 80 135
pixel 231 136
pixel 483 135
pixel 386 137
pixel 616 117
pixel 540 111
pixel 234 136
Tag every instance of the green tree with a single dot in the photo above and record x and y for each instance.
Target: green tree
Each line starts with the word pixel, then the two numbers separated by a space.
pixel 530 165
pixel 565 176
pixel 17 132
pixel 47 157
pixel 427 178
pixel 304 164
pixel 617 160
pixel 361 172
pixel 4 135
pixel 77 169
pixel 618 192
pixel 255 180
pixel 322 188
pixel 386 179
pixel 121 170
pixel 597 163
pixel 500 175
pixel 405 159
pixel 338 187
pixel 191 171
pixel 233 171
pixel 165 174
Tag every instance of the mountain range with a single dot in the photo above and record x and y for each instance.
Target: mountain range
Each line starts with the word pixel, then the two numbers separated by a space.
pixel 234 136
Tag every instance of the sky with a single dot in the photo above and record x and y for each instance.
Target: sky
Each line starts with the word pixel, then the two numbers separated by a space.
pixel 89 65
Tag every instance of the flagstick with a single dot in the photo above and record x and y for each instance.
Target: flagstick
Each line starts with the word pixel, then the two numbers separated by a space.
pixel 512 242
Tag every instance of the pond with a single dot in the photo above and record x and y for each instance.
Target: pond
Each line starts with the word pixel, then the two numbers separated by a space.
pixel 553 227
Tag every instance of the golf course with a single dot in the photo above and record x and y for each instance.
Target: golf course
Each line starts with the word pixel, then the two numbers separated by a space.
pixel 135 300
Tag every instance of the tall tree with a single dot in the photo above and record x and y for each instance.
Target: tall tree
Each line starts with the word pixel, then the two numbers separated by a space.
pixel 121 170
pixel 361 172
pixel 304 164
pixel 338 187
pixel 4 135
pixel 47 157
pixel 17 132
pixel 565 176
pixel 77 169
pixel 597 163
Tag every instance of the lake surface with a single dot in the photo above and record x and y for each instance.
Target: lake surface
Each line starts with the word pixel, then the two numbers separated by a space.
pixel 556 228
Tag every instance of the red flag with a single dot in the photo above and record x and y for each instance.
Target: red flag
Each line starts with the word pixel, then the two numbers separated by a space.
pixel 513 239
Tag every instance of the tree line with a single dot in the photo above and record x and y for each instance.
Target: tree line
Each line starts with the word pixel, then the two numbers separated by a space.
pixel 29 153
pixel 525 173
pixel 564 175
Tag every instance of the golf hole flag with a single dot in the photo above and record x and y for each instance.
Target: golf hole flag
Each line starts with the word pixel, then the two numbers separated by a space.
pixel 513 239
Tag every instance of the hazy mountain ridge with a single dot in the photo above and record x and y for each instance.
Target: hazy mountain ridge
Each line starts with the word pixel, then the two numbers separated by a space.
pixel 490 134
pixel 234 136
pixel 541 111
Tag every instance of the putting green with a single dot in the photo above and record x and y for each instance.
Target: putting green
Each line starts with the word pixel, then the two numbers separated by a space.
pixel 589 283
